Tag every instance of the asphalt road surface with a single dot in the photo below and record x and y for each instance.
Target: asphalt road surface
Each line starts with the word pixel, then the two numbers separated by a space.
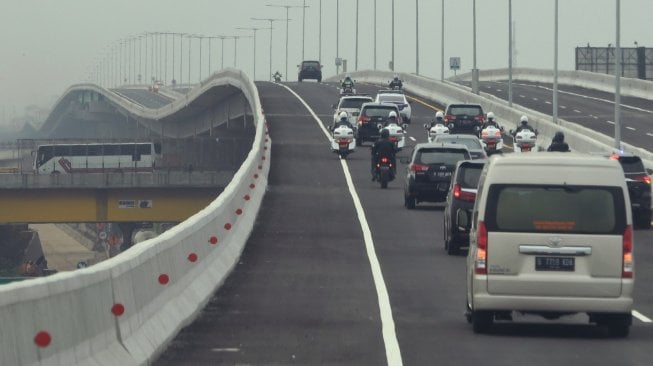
pixel 308 290
pixel 143 97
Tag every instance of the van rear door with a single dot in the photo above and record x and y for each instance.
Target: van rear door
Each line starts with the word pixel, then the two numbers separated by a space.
pixel 555 240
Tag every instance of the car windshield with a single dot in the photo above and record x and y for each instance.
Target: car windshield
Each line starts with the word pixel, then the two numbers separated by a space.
pixel 468 175
pixel 555 208
pixel 472 144
pixel 631 164
pixel 313 64
pixel 465 110
pixel 440 156
pixel 353 103
pixel 392 98
pixel 378 111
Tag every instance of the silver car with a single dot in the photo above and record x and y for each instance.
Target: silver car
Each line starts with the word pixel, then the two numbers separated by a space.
pixel 472 142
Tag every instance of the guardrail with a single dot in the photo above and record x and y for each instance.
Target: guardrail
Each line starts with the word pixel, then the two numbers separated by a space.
pixel 125 310
pixel 580 138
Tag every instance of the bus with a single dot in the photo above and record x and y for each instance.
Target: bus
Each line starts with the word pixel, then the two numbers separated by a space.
pixel 96 157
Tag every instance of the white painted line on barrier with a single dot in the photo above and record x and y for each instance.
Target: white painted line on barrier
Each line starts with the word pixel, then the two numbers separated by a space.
pixel 610 122
pixel 392 351
pixel 641 317
pixel 631 128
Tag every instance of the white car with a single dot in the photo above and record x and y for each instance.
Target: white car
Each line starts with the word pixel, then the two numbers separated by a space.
pixel 352 105
pixel 400 100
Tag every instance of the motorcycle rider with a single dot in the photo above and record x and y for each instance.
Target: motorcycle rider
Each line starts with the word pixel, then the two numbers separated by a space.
pixel 491 121
pixel 347 82
pixel 395 82
pixel 277 76
pixel 383 147
pixel 524 125
pixel 439 119
pixel 558 143
pixel 343 121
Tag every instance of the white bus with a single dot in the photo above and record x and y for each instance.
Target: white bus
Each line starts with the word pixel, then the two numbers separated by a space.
pixel 96 157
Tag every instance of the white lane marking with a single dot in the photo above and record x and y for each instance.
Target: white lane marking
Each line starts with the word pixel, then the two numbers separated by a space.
pixel 535 99
pixel 649 134
pixel 392 351
pixel 563 107
pixel 631 128
pixel 576 110
pixel 225 349
pixel 595 117
pixel 641 316
pixel 592 98
pixel 412 138
pixel 499 90
pixel 610 122
pixel 522 96
pixel 547 102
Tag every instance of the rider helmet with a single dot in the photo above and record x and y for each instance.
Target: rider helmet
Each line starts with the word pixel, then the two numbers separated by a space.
pixel 392 114
pixel 439 115
pixel 385 133
pixel 396 78
pixel 523 120
pixel 490 117
pixel 343 116
pixel 559 137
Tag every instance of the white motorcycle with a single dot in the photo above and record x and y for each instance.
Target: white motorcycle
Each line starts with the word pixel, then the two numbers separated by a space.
pixel 396 134
pixel 525 140
pixel 343 141
pixel 491 139
pixel 435 130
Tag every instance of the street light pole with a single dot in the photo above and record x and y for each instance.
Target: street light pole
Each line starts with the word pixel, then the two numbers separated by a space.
pixel 356 62
pixel 510 53
pixel 254 59
pixel 375 34
pixel 319 52
pixel 442 43
pixel 393 36
pixel 417 37
pixel 337 36
pixel 617 81
pixel 287 23
pixel 271 20
pixel 474 69
pixel 555 66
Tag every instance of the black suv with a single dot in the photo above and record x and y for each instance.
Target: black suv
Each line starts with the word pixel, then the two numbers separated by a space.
pixel 371 115
pixel 464 118
pixel 461 196
pixel 310 70
pixel 639 188
pixel 429 172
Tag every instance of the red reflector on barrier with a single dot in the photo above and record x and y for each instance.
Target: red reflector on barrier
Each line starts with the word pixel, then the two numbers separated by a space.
pixel 164 279
pixel 42 339
pixel 192 257
pixel 118 309
pixel 213 240
pixel 227 226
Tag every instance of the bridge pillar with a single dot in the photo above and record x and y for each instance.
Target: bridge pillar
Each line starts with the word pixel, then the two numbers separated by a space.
pixel 127 229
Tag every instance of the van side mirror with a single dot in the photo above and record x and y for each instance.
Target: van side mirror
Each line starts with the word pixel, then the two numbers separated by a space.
pixel 462 219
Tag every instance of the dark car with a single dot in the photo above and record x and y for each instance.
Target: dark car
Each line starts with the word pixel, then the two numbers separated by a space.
pixel 429 172
pixel 371 115
pixel 310 70
pixel 639 188
pixel 464 118
pixel 461 196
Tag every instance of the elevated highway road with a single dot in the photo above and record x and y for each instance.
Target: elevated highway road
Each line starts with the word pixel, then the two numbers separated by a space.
pixel 311 283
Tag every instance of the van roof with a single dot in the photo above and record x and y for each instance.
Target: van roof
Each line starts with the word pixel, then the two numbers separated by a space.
pixel 552 158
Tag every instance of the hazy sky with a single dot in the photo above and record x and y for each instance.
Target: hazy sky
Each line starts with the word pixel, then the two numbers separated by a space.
pixel 48 45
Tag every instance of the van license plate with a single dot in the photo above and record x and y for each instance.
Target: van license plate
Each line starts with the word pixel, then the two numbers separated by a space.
pixel 555 264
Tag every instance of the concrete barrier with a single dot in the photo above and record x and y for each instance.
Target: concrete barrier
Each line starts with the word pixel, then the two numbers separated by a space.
pixel 580 138
pixel 125 310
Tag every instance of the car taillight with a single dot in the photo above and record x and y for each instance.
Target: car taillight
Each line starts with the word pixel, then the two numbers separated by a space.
pixel 449 118
pixel 644 178
pixel 384 160
pixel 363 119
pixel 628 253
pixel 458 193
pixel 480 118
pixel 418 168
pixel 480 266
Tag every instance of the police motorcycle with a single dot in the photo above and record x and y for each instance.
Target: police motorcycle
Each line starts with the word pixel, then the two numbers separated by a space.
pixel 525 138
pixel 343 141
pixel 347 87
pixel 277 77
pixel 436 127
pixel 491 136
pixel 395 83
pixel 395 131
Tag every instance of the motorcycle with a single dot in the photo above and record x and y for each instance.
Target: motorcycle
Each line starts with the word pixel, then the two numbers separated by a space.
pixel 525 140
pixel 347 90
pixel 343 142
pixel 277 78
pixel 435 130
pixel 491 140
pixel 384 171
pixel 396 134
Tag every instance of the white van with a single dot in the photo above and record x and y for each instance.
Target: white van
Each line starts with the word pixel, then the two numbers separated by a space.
pixel 551 234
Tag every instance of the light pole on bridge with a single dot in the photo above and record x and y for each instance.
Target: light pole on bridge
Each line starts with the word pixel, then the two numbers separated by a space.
pixel 254 29
pixel 271 20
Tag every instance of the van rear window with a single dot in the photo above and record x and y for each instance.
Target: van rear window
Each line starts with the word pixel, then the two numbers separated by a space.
pixel 556 209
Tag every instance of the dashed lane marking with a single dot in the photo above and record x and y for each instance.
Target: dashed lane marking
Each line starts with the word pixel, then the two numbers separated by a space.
pixel 522 96
pixel 631 128
pixel 412 138
pixel 576 110
pixel 641 316
pixel 649 134
pixel 547 102
pixel 563 107
pixel 535 99
pixel 610 122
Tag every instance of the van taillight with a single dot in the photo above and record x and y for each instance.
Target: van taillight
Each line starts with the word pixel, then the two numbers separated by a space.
pixel 628 253
pixel 416 168
pixel 481 249
pixel 644 178
pixel 458 193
